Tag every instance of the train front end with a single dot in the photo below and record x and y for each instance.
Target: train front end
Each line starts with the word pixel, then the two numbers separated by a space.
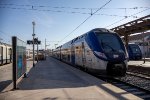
pixel 112 51
pixel 115 52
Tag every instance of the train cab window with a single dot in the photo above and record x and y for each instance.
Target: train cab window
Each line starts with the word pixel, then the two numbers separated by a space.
pixel 135 48
pixel 109 42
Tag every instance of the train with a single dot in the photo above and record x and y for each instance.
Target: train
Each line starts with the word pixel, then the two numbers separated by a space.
pixel 100 51
pixel 5 53
pixel 41 55
pixel 134 52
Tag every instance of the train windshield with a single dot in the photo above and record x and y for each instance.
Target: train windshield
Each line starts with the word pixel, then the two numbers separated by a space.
pixel 109 42
pixel 135 48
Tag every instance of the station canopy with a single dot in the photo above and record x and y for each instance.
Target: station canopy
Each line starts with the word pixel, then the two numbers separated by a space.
pixel 136 26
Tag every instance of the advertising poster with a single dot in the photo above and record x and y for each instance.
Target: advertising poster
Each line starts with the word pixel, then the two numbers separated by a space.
pixel 20 58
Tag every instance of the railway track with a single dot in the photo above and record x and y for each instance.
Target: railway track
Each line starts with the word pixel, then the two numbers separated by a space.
pixel 132 83
pixel 139 70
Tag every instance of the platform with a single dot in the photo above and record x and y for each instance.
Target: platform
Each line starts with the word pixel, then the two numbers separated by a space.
pixel 140 63
pixel 54 80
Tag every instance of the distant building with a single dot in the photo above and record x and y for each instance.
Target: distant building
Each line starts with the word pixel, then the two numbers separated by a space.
pixel 29 53
pixel 143 40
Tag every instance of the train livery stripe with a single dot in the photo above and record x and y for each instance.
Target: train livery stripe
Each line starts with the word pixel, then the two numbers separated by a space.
pixel 102 58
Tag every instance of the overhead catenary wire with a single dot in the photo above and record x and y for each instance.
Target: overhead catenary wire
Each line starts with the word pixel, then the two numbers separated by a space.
pixel 85 20
pixel 63 7
pixel 4 36
pixel 35 7
pixel 63 11
pixel 5 33
pixel 127 17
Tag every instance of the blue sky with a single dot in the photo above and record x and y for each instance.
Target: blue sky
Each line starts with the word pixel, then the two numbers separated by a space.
pixel 16 17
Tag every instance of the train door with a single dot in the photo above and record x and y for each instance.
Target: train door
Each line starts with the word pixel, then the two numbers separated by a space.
pixel 1 55
pixel 72 54
pixel 83 55
pixel 10 53
pixel 88 54
pixel 4 54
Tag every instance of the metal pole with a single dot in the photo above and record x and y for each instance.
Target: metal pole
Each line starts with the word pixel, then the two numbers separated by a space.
pixel 143 50
pixel 45 48
pixel 14 42
pixel 37 51
pixel 33 43
pixel 45 44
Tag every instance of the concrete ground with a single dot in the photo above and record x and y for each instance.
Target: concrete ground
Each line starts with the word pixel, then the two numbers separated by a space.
pixel 54 80
pixel 140 63
pixel 6 75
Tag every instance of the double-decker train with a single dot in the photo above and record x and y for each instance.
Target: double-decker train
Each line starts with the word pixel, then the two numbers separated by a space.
pixel 5 53
pixel 99 51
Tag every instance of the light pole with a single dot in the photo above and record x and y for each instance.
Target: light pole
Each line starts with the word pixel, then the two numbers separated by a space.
pixel 33 23
pixel 37 51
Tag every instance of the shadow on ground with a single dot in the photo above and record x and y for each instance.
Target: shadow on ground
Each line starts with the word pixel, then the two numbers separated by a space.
pixel 4 84
pixel 53 74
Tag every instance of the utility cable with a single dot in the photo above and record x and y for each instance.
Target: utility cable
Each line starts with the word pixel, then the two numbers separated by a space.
pixel 127 17
pixel 85 20
pixel 62 7
pixel 4 36
pixel 61 11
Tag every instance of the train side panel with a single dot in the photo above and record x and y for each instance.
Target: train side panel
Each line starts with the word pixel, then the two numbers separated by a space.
pixel 1 55
pixel 92 62
pixel 8 53
pixel 4 54
pixel 98 50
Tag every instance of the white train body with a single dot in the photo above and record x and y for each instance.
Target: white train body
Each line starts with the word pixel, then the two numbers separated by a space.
pixel 88 52
pixel 5 53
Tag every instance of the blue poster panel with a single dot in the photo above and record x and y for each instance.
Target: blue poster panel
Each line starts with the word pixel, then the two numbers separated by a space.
pixel 20 58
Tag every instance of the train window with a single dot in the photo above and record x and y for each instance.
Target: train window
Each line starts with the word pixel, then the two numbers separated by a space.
pixel 77 47
pixel 72 41
pixel 88 52
pixel 0 51
pixel 76 39
pixel 109 42
pixel 10 51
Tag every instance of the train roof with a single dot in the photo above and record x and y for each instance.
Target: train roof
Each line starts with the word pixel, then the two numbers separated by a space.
pixel 102 30
pixel 83 35
pixel 2 43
